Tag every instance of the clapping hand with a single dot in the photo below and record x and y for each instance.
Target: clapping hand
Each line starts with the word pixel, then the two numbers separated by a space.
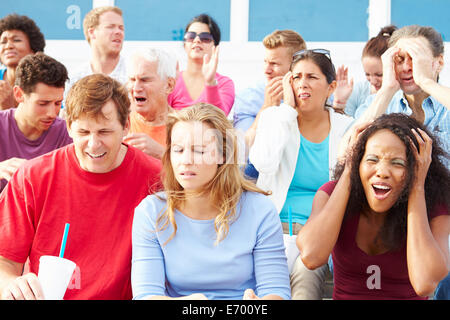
pixel 209 67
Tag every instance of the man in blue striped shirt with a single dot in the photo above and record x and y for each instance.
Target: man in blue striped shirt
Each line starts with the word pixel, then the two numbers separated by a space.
pixel 412 64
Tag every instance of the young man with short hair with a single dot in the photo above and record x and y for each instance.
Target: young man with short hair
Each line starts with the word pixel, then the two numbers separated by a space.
pixel 33 128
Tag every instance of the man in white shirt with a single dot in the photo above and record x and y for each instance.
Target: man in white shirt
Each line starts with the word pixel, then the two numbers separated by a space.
pixel 104 30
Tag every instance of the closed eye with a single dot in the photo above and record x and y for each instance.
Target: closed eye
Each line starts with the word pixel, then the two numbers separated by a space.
pixel 176 149
pixel 399 162
pixel 371 159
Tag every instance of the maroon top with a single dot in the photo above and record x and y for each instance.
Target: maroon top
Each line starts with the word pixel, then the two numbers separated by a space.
pixel 358 275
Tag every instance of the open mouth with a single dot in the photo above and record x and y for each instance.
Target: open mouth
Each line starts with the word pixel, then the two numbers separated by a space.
pixel 304 96
pixel 408 79
pixel 381 191
pixel 96 156
pixel 140 99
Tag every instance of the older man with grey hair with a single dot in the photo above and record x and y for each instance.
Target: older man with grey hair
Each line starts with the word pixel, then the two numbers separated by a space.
pixel 151 78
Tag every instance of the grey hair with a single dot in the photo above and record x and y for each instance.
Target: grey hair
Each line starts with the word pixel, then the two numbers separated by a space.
pixel 433 37
pixel 167 63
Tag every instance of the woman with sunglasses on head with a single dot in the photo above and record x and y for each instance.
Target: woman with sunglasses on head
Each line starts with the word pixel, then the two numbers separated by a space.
pixel 386 216
pixel 295 148
pixel 211 234
pixel 19 36
pixel 200 82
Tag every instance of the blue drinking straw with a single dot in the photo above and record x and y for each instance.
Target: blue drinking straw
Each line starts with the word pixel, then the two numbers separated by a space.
pixel 64 240
pixel 290 220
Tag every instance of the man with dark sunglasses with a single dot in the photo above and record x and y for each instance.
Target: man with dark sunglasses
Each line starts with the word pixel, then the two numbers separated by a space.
pixel 280 46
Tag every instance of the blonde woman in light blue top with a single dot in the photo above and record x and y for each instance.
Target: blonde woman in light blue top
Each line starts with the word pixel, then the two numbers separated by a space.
pixel 211 234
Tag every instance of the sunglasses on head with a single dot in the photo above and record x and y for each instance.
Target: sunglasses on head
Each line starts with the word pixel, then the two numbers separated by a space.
pixel 204 37
pixel 304 51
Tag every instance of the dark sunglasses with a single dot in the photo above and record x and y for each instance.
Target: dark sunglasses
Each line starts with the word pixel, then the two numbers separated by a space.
pixel 304 51
pixel 204 37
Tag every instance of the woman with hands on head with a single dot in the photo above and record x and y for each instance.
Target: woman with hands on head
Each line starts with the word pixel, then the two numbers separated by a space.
pixel 211 234
pixel 200 82
pixel 386 216
pixel 295 150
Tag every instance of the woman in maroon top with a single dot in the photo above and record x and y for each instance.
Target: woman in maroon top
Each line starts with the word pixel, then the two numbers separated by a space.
pixel 386 218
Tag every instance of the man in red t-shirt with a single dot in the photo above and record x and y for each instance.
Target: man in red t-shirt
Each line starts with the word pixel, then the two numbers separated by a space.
pixel 94 185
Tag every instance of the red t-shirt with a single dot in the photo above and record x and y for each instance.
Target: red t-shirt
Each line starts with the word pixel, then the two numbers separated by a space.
pixel 358 275
pixel 52 190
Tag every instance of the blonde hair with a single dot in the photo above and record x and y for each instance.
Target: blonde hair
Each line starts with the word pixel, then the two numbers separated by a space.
pixel 284 38
pixel 225 189
pixel 92 18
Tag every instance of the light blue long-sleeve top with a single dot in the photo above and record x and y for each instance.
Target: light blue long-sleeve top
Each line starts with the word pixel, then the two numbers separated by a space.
pixel 361 90
pixel 247 104
pixel 251 256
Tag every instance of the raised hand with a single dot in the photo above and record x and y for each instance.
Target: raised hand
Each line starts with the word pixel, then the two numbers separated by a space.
pixel 343 89
pixel 209 67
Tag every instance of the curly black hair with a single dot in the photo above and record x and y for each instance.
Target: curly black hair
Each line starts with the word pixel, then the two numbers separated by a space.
pixel 437 183
pixel 26 25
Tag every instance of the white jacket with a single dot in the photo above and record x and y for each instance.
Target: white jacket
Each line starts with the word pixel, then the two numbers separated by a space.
pixel 275 149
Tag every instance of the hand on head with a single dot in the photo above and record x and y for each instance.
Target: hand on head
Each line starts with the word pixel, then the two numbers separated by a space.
pixel 389 76
pixel 288 92
pixel 424 66
pixel 422 155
